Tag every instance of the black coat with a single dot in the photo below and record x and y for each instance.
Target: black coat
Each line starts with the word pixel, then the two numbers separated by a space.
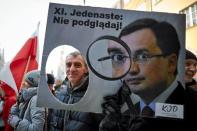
pixel 191 107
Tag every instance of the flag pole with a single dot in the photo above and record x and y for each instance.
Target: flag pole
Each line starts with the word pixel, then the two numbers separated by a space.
pixel 29 58
pixel 26 68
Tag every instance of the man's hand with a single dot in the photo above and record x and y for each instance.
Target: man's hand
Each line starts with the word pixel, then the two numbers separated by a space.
pixel 14 110
pixel 111 105
pixel 13 120
pixel 111 108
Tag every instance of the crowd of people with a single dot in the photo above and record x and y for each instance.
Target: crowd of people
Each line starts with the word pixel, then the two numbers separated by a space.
pixel 153 75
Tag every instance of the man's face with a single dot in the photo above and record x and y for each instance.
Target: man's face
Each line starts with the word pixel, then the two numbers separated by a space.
pixel 190 69
pixel 75 69
pixel 148 77
pixel 25 84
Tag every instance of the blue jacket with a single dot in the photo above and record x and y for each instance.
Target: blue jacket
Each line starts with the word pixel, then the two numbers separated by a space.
pixel 31 117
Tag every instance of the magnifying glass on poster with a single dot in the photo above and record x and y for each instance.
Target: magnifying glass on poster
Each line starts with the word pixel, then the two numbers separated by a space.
pixel 108 57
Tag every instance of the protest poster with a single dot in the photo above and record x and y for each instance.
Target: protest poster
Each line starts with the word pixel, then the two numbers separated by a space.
pixel 88 29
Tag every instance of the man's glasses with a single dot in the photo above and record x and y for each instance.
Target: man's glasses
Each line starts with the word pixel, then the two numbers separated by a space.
pixel 101 63
pixel 119 59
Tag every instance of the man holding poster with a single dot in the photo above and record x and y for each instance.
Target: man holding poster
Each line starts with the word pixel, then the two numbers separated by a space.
pixel 155 50
pixel 151 69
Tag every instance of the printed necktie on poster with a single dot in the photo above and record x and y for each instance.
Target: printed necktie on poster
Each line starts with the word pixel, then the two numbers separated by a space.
pixel 147 111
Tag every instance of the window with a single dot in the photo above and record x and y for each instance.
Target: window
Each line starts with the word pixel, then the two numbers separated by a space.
pixel 142 7
pixel 156 1
pixel 126 1
pixel 191 15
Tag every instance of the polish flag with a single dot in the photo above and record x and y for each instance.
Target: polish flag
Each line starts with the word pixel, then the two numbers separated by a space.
pixel 27 59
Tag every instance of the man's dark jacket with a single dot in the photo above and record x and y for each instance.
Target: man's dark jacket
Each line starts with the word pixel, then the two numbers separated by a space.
pixel 65 120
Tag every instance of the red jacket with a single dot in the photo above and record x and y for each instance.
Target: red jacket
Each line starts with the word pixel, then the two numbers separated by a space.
pixel 9 100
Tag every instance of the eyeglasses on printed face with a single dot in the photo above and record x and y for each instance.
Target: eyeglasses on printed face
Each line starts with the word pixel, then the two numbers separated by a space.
pixel 119 59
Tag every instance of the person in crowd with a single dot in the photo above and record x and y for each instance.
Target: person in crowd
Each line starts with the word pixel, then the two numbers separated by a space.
pixel 25 115
pixel 76 86
pixel 190 88
pixel 9 99
pixel 50 82
pixel 153 74
pixel 2 94
pixel 58 85
pixel 190 69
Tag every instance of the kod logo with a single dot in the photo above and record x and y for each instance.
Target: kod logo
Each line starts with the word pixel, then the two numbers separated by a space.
pixel 169 108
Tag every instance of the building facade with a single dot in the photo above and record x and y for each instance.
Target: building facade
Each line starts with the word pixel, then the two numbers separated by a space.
pixel 61 66
pixel 188 7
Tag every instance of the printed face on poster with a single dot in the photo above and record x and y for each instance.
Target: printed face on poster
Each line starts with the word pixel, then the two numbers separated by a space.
pixel 119 45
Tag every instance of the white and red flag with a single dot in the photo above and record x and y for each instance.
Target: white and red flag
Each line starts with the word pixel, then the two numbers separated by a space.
pixel 26 59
